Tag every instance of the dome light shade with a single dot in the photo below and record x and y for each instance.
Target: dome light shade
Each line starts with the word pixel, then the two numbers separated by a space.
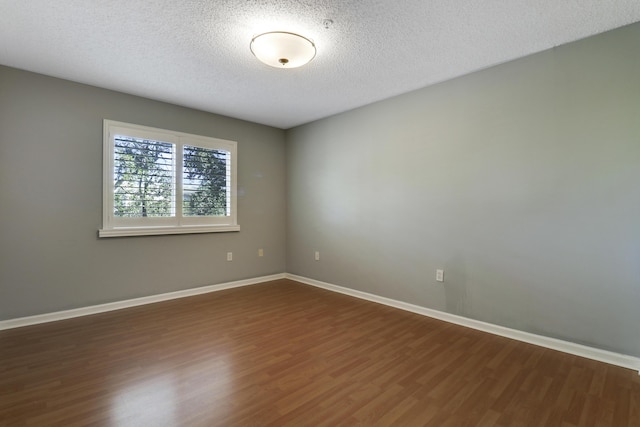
pixel 283 50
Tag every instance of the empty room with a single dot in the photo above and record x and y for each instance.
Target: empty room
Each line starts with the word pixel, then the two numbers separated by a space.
pixel 315 213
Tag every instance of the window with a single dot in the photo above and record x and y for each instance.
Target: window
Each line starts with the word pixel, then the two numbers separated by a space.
pixel 157 181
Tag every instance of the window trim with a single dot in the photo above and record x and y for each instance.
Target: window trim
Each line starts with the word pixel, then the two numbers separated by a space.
pixel 111 227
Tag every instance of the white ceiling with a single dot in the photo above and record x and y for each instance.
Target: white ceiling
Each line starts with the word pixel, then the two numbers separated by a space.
pixel 196 52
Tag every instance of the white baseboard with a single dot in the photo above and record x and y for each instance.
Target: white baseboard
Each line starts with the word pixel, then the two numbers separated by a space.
pixel 94 309
pixel 605 356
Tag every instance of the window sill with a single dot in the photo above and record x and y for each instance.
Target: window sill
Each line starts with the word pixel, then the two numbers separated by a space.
pixel 154 231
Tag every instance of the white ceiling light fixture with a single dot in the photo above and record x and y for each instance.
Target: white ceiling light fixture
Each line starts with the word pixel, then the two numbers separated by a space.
pixel 282 49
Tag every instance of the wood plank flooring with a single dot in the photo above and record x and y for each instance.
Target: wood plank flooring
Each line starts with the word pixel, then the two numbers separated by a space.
pixel 287 354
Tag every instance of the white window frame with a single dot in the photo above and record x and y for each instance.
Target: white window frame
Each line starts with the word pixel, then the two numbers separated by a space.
pixel 115 227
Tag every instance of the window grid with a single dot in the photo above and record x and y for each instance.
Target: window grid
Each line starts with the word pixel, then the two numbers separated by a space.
pixel 164 182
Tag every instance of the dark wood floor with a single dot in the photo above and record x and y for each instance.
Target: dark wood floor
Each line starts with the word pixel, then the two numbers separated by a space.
pixel 283 353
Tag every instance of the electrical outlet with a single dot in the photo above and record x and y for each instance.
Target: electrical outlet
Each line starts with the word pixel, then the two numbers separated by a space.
pixel 229 256
pixel 440 275
pixel 317 256
pixel 260 252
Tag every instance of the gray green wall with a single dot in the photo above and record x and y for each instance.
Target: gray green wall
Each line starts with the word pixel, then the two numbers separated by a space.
pixel 521 181
pixel 51 201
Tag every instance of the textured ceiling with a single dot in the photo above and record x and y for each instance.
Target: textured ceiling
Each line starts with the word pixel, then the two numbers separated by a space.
pixel 196 53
